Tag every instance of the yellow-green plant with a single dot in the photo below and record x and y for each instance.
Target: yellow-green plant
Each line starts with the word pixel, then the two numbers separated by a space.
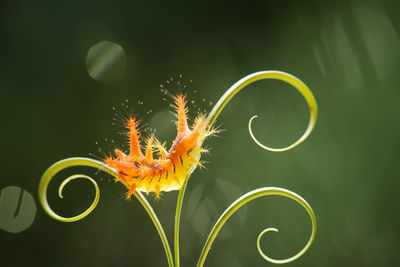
pixel 246 198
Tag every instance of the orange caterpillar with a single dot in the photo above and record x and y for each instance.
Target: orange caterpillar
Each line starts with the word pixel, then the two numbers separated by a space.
pixel 167 172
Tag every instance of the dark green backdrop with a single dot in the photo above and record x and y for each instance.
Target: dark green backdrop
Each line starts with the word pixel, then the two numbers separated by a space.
pixel 348 53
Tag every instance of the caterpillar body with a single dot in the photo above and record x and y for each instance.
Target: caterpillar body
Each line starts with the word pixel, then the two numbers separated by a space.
pixel 171 168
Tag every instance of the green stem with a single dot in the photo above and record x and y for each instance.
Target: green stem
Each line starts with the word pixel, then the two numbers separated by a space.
pixel 157 224
pixel 266 191
pixel 177 221
pixel 70 162
pixel 178 210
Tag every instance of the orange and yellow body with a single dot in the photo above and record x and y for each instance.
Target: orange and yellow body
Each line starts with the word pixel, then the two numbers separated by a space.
pixel 170 169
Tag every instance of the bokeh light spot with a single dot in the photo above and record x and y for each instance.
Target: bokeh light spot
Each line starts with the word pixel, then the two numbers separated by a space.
pixel 17 209
pixel 106 61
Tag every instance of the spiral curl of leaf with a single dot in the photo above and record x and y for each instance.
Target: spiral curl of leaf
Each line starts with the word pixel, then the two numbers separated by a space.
pixel 262 75
pixel 80 161
pixel 246 198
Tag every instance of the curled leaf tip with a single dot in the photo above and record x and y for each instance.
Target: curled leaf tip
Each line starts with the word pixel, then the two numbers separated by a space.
pixel 57 167
pixel 246 198
pixel 50 174
pixel 278 75
pixel 260 250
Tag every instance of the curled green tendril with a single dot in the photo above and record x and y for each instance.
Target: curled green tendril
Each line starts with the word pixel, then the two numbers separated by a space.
pixel 59 166
pixel 246 198
pixel 70 162
pixel 262 75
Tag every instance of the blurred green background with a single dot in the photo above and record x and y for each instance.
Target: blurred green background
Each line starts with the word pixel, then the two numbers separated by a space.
pixel 347 52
